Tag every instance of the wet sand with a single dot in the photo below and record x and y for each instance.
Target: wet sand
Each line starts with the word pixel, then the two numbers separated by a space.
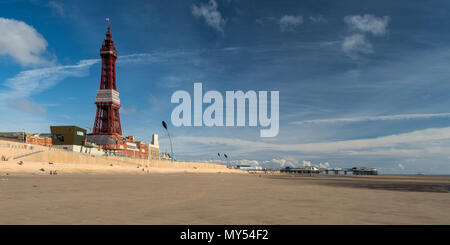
pixel 440 184
pixel 222 198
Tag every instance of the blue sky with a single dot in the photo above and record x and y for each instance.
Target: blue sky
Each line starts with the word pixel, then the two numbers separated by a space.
pixel 361 83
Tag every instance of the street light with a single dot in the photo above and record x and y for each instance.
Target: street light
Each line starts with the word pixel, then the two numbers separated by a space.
pixel 226 156
pixel 171 148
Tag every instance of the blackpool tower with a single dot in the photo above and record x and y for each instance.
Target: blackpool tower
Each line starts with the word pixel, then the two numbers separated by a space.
pixel 107 126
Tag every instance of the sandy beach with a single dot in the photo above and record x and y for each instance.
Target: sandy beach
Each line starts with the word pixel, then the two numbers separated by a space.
pixel 111 190
pixel 220 198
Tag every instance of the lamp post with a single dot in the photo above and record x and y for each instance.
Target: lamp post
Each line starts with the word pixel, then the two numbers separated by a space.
pixel 226 156
pixel 171 148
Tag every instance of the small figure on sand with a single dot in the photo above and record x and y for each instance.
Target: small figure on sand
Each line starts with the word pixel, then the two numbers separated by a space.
pixel 20 163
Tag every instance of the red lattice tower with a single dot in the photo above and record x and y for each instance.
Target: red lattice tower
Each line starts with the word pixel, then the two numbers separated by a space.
pixel 107 119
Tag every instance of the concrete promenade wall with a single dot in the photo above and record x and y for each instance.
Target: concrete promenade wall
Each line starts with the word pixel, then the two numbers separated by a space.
pixel 61 156
pixel 11 149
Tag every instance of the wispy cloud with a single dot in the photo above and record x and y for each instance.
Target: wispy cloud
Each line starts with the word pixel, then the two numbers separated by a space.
pixel 27 106
pixel 172 81
pixel 125 111
pixel 152 100
pixel 57 7
pixel 373 118
pixel 287 23
pixel 357 42
pixel 210 13
pixel 405 144
pixel 368 23
pixel 34 81
pixel 290 22
pixel 318 19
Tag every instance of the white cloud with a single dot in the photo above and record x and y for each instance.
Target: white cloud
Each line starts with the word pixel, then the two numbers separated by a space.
pixel 374 118
pixel 368 23
pixel 289 22
pixel 355 44
pixel 284 162
pixel 22 42
pixel 210 14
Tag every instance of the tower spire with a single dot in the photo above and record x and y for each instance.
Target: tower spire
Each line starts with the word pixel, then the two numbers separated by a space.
pixel 108 33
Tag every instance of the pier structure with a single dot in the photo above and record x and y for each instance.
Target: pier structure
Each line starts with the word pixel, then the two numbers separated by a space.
pixel 327 171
